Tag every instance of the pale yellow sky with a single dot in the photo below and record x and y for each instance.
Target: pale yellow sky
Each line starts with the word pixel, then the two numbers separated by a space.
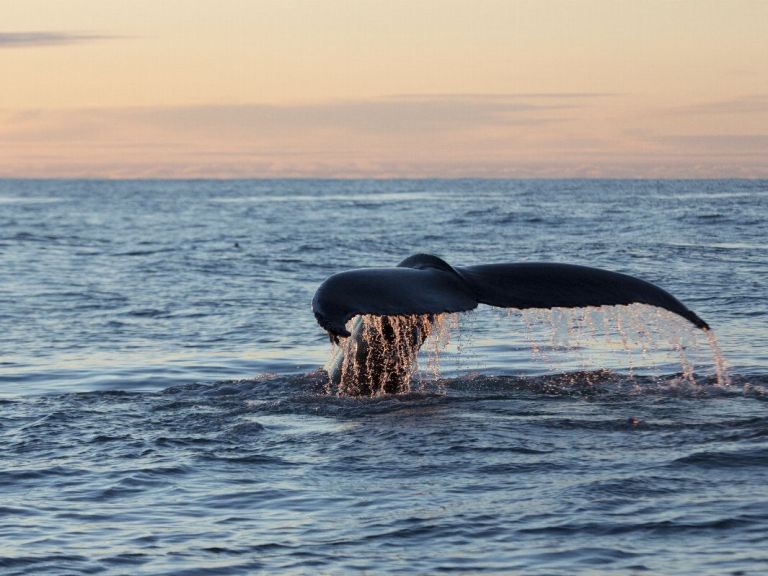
pixel 262 88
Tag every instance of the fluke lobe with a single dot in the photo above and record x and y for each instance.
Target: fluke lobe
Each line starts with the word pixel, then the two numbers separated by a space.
pixel 402 300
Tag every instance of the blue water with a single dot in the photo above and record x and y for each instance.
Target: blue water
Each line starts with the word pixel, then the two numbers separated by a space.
pixel 162 412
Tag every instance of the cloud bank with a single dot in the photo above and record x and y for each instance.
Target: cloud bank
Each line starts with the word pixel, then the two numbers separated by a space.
pixel 448 135
pixel 46 38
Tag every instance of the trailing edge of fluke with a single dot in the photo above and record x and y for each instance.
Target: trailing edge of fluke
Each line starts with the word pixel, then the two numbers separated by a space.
pixel 425 284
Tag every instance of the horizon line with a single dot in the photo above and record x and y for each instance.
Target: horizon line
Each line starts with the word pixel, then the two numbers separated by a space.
pixel 376 178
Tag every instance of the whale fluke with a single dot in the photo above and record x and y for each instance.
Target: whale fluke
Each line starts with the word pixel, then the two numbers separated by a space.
pixel 403 290
pixel 425 284
pixel 396 308
pixel 542 285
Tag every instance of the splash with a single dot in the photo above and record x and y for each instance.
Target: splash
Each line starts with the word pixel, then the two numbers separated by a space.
pixel 644 334
pixel 383 354
pixel 721 367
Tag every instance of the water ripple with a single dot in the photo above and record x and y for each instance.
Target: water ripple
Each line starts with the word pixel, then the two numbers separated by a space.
pixel 161 412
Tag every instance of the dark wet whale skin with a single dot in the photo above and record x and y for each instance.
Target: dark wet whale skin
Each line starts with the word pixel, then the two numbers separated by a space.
pixel 426 284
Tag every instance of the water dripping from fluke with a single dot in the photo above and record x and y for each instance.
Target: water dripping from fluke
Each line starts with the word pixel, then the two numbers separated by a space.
pixel 402 354
pixel 647 336
pixel 721 366
pixel 381 355
pixel 380 318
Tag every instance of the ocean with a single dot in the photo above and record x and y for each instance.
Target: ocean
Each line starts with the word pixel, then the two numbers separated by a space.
pixel 163 408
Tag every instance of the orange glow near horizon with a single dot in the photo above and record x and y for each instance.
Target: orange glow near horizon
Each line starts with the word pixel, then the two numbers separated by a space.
pixel 364 88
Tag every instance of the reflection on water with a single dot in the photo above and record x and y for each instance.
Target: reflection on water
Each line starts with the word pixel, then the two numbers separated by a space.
pixel 26 200
pixel 346 198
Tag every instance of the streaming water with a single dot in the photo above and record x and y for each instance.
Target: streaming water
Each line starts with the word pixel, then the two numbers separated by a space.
pixel 163 410
pixel 382 355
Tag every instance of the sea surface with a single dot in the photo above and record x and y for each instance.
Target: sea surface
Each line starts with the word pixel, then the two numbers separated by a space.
pixel 163 410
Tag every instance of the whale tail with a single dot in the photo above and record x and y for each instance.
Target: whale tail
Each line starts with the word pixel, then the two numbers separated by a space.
pixel 425 284
pixel 396 307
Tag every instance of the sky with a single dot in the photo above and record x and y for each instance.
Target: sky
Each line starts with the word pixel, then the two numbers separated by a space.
pixel 384 88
